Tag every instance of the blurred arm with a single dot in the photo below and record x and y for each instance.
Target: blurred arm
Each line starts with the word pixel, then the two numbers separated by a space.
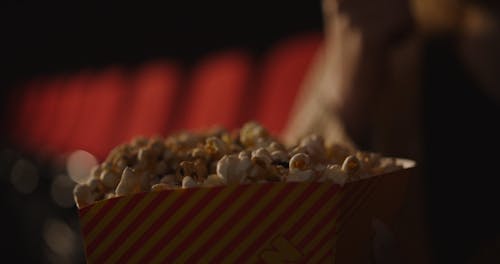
pixel 348 77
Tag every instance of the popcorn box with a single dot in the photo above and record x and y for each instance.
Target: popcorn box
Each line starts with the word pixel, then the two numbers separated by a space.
pixel 316 222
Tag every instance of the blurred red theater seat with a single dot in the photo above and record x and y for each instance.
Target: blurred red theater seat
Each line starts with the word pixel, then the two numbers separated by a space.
pixel 44 114
pixel 103 113
pixel 68 113
pixel 94 111
pixel 155 89
pixel 216 92
pixel 282 73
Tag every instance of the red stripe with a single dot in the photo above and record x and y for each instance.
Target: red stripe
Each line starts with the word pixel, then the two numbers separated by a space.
pixel 238 215
pixel 306 217
pixel 318 228
pixel 327 258
pixel 351 195
pixel 98 217
pixel 113 223
pixel 179 202
pixel 326 239
pixel 366 191
pixel 328 218
pixel 354 195
pixel 276 224
pixel 330 234
pixel 342 220
pixel 178 227
pixel 276 202
pixel 138 220
pixel 82 212
pixel 206 223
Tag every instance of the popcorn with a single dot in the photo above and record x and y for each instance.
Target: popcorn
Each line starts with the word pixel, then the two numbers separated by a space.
pixel 335 173
pixel 145 154
pixel 153 179
pixel 216 146
pixel 109 179
pixel 275 146
pixel 299 161
pixel 95 185
pixel 168 179
pixel 156 146
pixel 121 164
pixel 184 141
pixel 337 153
pixel 387 165
pixel 300 176
pixel 352 166
pixel 218 158
pixel 262 142
pixel 200 153
pixel 188 182
pixel 279 156
pixel 139 142
pixel 141 165
pixel 251 132
pixel 95 172
pixel 213 180
pixel 262 157
pixel 83 195
pixel 200 170
pixel 129 183
pixel 314 145
pixel 161 168
pixel 167 154
pixel 244 163
pixel 106 166
pixel 146 180
pixel 160 187
pixel 299 168
pixel 228 171
pixel 369 160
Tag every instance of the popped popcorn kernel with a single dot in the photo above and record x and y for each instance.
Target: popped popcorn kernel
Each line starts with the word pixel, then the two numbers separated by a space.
pixel 352 166
pixel 129 183
pixel 109 179
pixel 188 182
pixel 83 195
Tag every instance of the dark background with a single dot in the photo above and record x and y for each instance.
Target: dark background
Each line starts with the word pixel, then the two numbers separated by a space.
pixel 42 38
pixel 55 37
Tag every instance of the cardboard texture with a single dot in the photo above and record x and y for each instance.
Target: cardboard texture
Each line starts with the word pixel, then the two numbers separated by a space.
pixel 260 223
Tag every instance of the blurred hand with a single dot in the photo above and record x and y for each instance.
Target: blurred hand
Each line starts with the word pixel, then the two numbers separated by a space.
pixel 346 82
pixel 378 21
pixel 361 34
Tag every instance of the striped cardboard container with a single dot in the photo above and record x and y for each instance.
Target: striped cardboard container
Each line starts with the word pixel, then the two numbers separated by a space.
pixel 260 223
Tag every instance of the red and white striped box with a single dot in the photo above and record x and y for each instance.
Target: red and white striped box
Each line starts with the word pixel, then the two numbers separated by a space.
pixel 260 223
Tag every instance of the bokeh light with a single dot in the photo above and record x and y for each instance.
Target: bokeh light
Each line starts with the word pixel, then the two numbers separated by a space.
pixel 61 191
pixel 24 176
pixel 59 237
pixel 79 165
